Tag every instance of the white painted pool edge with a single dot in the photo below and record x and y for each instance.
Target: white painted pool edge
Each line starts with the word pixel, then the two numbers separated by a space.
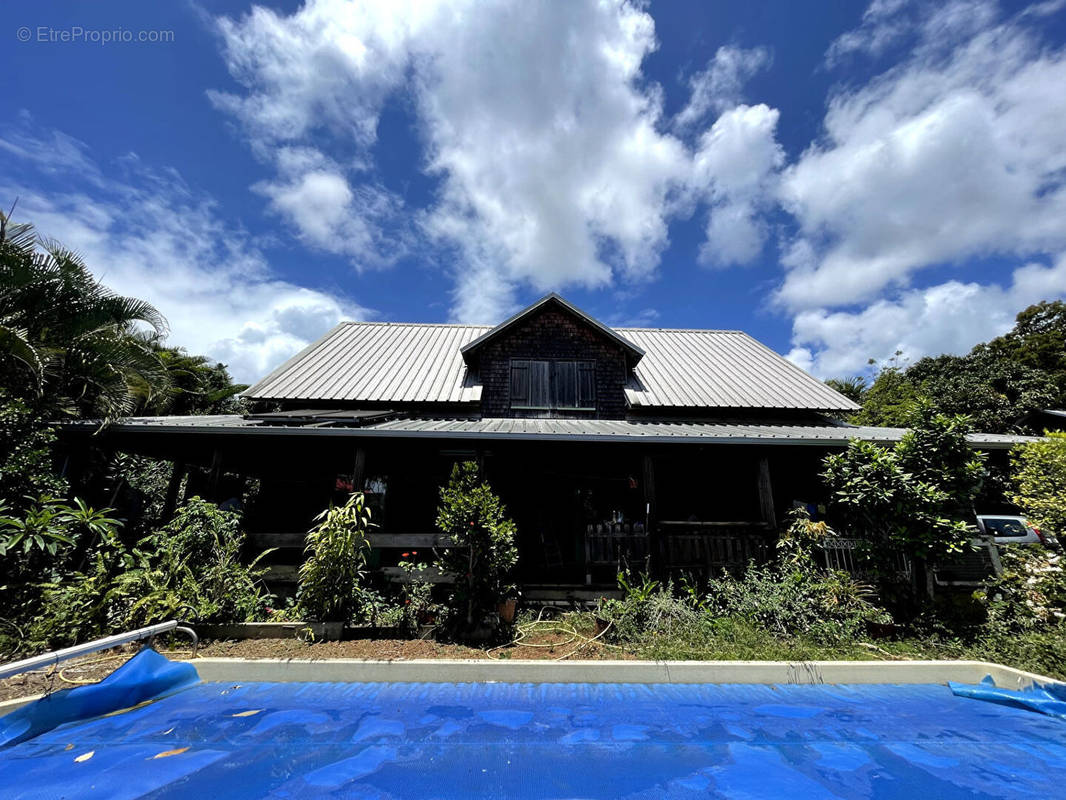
pixel 246 670
pixel 523 671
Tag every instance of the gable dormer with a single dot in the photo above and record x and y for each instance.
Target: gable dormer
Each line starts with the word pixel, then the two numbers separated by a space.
pixel 552 360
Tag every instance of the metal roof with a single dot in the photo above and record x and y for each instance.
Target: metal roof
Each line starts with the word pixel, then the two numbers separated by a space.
pixel 378 362
pixel 721 369
pixel 388 362
pixel 592 430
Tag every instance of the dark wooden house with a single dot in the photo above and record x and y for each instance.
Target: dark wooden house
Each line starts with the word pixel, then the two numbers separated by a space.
pixel 669 450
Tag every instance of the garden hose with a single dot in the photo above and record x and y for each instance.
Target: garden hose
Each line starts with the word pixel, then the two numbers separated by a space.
pixel 540 625
pixel 105 659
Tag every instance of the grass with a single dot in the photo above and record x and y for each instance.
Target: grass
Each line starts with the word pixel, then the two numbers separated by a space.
pixel 731 639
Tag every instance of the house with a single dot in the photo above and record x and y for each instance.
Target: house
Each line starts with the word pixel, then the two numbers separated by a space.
pixel 670 450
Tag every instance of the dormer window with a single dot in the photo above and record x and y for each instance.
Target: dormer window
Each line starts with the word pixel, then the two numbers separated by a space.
pixel 548 385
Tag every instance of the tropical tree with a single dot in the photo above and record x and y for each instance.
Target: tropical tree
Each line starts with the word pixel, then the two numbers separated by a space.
pixel 195 385
pixel 853 388
pixel 67 342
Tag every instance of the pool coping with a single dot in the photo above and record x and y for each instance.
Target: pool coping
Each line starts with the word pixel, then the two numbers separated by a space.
pixel 352 670
pixel 537 671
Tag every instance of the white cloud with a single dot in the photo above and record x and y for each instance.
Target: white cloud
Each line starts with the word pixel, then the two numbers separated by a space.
pixel 736 165
pixel 949 317
pixel 536 118
pixel 719 86
pixel 883 23
pixel 942 158
pixel 146 234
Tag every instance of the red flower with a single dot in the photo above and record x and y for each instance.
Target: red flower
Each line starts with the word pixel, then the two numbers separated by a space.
pixel 404 555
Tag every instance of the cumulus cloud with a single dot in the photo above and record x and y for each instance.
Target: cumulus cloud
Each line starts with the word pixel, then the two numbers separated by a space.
pixel 145 233
pixel 720 85
pixel 952 154
pixel 736 165
pixel 536 119
pixel 949 317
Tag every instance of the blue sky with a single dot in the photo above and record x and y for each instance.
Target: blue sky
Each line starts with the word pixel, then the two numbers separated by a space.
pixel 840 181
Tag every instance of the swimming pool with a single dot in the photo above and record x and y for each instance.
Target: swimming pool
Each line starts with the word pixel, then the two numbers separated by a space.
pixel 524 740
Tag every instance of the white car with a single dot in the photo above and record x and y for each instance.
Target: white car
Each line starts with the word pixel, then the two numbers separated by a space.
pixel 1014 530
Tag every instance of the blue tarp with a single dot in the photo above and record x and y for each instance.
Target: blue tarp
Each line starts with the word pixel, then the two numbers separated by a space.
pixel 432 740
pixel 145 676
pixel 1047 699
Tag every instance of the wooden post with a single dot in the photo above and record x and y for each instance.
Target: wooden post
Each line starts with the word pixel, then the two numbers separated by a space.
pixel 171 500
pixel 649 514
pixel 216 473
pixel 766 494
pixel 359 469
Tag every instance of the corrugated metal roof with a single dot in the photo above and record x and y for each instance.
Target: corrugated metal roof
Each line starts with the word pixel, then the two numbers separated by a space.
pixel 721 369
pixel 378 362
pixel 422 363
pixel 555 430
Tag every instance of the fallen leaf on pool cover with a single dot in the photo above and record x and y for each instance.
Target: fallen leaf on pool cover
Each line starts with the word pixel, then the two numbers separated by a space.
pixel 141 704
pixel 69 747
pixel 166 753
pixel 85 756
pixel 248 713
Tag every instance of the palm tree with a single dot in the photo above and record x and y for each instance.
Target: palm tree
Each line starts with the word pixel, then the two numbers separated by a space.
pixel 197 385
pixel 853 388
pixel 66 340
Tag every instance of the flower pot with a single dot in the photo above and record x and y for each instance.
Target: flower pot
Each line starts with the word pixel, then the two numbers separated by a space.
pixel 506 611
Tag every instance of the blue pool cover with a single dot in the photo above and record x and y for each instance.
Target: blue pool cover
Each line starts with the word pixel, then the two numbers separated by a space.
pixel 423 740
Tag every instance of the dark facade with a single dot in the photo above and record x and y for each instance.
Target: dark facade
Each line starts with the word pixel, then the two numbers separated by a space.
pixel 552 335
pixel 722 439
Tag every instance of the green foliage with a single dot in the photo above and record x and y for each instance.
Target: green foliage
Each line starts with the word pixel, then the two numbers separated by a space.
pixel 890 399
pixel 1030 594
pixel 482 552
pixel 331 579
pixel 790 597
pixel 25 455
pixel 190 569
pixel 853 388
pixel 67 342
pixel 997 384
pixel 1039 475
pixel 916 498
pixel 195 385
pixel 416 606
pixel 50 525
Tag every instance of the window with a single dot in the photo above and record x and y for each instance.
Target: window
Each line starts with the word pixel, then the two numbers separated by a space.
pixel 1005 527
pixel 553 384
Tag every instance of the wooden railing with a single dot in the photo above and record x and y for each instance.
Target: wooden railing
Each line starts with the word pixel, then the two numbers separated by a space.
pixel 708 547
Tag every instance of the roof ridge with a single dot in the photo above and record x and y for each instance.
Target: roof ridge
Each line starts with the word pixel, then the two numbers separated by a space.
pixel 486 325
pixel 420 324
pixel 682 330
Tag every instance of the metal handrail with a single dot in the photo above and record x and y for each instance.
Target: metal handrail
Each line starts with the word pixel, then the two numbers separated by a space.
pixel 53 658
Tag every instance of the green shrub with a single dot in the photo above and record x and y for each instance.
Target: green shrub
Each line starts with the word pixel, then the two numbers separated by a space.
pixel 792 596
pixel 1029 595
pixel 1039 473
pixel 189 569
pixel 790 601
pixel 26 470
pixel 917 497
pixel 331 579
pixel 481 550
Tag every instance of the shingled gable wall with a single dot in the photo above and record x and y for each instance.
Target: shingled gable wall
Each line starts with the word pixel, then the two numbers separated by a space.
pixel 553 334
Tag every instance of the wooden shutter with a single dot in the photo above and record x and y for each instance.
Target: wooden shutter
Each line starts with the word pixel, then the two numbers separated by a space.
pixel 519 383
pixel 539 384
pixel 586 384
pixel 564 383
